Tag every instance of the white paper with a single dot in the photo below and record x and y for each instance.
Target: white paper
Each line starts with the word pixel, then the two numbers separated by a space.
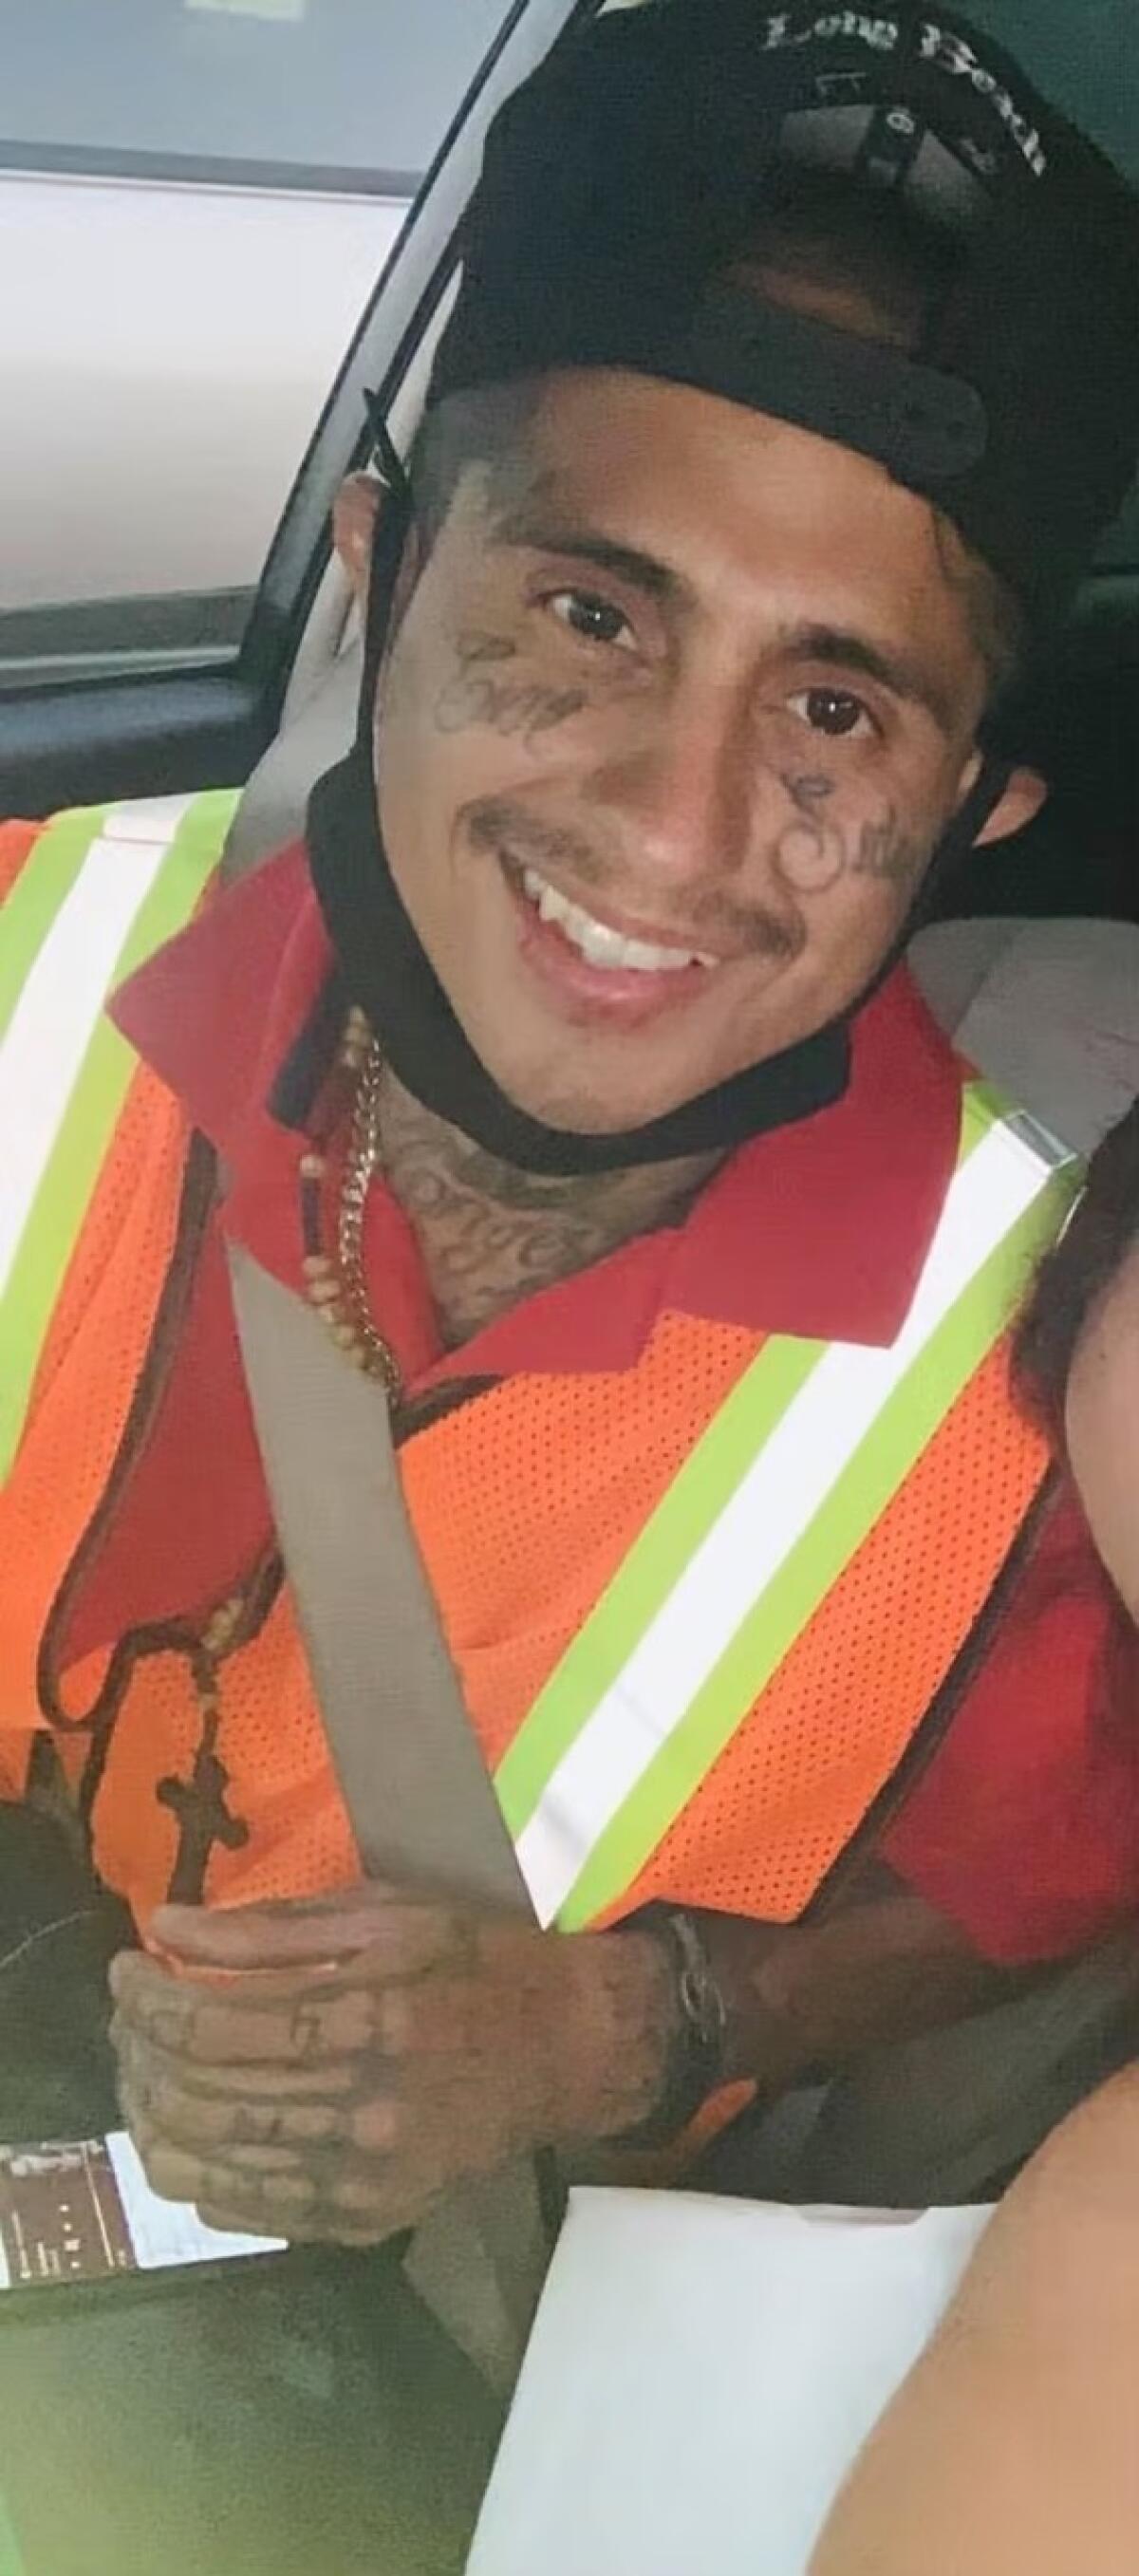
pixel 165 2232
pixel 701 2375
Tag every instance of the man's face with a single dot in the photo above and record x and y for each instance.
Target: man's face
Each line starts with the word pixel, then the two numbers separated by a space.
pixel 677 711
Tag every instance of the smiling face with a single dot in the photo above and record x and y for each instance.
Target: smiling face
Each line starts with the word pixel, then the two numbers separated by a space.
pixel 676 711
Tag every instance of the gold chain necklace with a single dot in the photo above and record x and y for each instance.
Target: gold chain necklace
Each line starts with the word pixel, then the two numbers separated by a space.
pixel 336 1284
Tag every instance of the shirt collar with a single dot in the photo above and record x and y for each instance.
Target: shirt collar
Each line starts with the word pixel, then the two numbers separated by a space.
pixel 818 1229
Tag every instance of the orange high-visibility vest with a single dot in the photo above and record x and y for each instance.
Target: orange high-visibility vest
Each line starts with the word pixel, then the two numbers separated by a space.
pixel 698 1607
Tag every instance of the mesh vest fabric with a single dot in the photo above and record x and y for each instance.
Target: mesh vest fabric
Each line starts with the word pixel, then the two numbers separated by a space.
pixel 526 1501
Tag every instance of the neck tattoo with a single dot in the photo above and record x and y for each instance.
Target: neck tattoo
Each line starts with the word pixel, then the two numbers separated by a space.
pixel 491 1234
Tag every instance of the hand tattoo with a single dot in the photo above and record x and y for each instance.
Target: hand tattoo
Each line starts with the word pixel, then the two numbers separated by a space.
pixel 492 2038
pixel 477 694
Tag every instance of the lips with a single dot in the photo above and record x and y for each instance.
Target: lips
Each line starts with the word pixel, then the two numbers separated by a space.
pixel 599 943
pixel 593 974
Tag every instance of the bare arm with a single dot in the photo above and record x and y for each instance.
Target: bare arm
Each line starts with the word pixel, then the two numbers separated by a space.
pixel 816 1996
pixel 1013 2448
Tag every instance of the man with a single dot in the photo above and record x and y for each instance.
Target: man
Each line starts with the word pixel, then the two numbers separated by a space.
pixel 565 1071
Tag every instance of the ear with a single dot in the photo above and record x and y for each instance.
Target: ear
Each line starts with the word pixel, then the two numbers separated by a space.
pixel 1023 797
pixel 354 514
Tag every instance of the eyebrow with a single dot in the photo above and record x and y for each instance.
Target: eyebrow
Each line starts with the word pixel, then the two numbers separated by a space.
pixel 527 527
pixel 892 667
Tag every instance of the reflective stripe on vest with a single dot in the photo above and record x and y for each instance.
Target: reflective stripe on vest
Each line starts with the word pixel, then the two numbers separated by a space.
pixel 772 1504
pixel 102 888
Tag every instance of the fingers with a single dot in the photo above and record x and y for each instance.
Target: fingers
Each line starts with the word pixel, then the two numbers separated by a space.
pixel 314 1933
pixel 238 2078
pixel 286 1932
pixel 265 2204
pixel 238 2025
pixel 305 2203
pixel 251 2127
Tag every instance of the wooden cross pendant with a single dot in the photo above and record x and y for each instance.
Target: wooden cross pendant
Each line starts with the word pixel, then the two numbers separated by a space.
pixel 203 1820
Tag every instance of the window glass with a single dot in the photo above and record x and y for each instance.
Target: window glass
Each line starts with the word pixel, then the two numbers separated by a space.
pixel 196 200
pixel 300 86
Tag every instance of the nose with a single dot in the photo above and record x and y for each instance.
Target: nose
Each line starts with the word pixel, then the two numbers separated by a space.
pixel 678 792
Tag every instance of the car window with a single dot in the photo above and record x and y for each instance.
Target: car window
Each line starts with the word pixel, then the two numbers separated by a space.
pixel 196 200
pixel 306 91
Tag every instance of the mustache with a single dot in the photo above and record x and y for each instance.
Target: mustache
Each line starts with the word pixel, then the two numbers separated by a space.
pixel 495 824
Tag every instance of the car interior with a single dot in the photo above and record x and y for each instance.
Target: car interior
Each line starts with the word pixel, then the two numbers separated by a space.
pixel 1033 962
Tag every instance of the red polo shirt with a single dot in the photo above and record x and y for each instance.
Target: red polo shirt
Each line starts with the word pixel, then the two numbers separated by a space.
pixel 1026 1826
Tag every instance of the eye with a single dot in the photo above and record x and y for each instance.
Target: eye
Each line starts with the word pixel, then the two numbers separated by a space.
pixel 835 712
pixel 595 619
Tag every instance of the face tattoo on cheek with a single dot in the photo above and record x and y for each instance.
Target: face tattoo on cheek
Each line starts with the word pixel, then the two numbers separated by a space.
pixel 479 692
pixel 813 852
pixel 809 853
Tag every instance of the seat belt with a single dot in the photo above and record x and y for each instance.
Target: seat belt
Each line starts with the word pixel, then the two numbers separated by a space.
pixel 419 1797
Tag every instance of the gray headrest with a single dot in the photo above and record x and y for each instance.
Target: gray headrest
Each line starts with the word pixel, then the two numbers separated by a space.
pixel 272 809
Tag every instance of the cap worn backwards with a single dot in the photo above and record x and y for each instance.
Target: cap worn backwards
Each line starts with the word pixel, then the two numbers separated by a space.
pixel 621 180
pixel 621 191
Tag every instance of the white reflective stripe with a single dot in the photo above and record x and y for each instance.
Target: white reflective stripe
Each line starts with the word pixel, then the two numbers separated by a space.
pixel 147 818
pixel 763 1521
pixel 61 1002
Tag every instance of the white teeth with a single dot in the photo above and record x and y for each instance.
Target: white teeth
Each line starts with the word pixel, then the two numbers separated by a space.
pixel 597 943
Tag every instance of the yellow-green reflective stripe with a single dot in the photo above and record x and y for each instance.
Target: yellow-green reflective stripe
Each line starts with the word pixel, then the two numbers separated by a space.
pixel 703 1485
pixel 654 1564
pixel 12 2559
pixel 43 884
pixel 672 1609
pixel 54 1220
pixel 875 1473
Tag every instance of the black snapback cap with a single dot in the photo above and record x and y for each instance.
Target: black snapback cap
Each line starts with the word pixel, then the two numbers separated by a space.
pixel 620 182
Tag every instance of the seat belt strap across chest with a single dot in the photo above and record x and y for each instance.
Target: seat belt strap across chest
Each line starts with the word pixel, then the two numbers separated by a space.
pixel 420 1801
pixel 419 1796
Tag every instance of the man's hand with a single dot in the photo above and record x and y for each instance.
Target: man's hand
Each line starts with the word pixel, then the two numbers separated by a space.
pixel 326 2067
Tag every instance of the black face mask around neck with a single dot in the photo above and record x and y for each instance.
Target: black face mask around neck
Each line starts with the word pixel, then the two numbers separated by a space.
pixel 384 968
